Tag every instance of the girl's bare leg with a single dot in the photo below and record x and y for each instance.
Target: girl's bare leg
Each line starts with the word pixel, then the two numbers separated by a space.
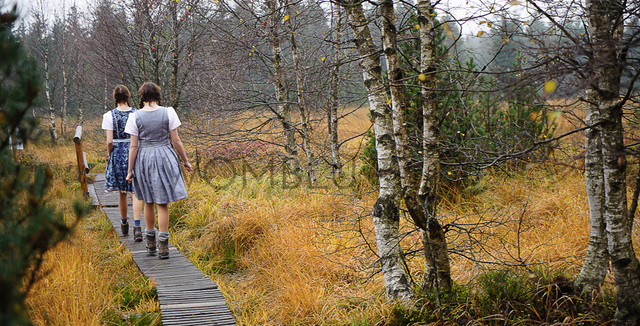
pixel 149 216
pixel 163 217
pixel 137 206
pixel 122 204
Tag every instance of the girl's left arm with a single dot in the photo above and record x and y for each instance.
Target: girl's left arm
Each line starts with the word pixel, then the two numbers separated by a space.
pixel 109 141
pixel 177 144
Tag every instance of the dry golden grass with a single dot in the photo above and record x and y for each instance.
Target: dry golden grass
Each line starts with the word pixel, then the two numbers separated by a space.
pixel 86 279
pixel 295 255
pixel 307 256
pixel 301 257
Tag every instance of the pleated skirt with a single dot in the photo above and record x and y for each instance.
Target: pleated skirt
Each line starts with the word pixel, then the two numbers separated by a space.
pixel 157 177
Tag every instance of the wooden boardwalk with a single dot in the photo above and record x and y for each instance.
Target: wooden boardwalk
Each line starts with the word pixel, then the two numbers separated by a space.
pixel 186 295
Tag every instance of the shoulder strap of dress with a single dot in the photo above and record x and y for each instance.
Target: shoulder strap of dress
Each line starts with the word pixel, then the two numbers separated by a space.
pixel 115 122
pixel 166 117
pixel 136 115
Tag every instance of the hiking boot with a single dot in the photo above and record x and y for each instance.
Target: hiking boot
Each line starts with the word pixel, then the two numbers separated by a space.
pixel 137 233
pixel 124 228
pixel 151 244
pixel 163 249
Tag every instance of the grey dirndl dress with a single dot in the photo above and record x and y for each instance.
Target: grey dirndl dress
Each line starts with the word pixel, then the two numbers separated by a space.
pixel 157 177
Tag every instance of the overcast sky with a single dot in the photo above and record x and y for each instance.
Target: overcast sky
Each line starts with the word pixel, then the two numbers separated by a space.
pixel 460 9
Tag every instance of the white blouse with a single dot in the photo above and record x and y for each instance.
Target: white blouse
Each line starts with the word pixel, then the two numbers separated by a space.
pixel 132 128
pixel 107 120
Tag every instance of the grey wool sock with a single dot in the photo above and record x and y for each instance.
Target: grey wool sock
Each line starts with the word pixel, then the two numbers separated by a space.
pixel 163 236
pixel 151 232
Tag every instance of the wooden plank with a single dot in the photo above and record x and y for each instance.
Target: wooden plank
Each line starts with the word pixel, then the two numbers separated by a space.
pixel 95 202
pixel 185 294
pixel 197 320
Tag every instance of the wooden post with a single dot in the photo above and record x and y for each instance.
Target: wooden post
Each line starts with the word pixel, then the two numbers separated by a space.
pixel 81 161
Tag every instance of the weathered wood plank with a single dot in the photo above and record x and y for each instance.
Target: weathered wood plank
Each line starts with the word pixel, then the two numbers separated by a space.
pixel 185 294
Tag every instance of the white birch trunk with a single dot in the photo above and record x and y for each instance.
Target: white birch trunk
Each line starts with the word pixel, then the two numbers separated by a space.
pixel 52 111
pixel 596 262
pixel 283 110
pixel 65 84
pixel 437 269
pixel 385 211
pixel 606 26
pixel 302 108
pixel 80 111
pixel 332 119
pixel 174 91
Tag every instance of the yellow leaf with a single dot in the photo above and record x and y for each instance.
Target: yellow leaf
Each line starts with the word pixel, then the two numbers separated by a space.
pixel 514 2
pixel 489 24
pixel 447 30
pixel 297 12
pixel 482 22
pixel 241 20
pixel 417 26
pixel 555 115
pixel 550 86
pixel 389 102
pixel 323 58
pixel 480 33
pixel 449 173
pixel 286 17
pixel 422 77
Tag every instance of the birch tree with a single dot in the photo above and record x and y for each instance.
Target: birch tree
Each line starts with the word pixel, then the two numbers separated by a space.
pixel 596 263
pixel 606 26
pixel 608 52
pixel 65 83
pixel 385 212
pixel 42 33
pixel 332 110
pixel 305 127
pixel 421 200
pixel 283 110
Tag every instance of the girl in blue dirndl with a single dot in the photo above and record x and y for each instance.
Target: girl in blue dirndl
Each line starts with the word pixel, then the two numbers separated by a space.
pixel 113 122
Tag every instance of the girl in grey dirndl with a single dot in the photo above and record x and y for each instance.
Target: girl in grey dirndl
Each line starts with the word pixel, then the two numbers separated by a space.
pixel 154 167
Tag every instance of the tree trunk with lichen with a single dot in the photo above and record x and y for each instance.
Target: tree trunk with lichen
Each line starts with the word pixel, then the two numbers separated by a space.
pixel 606 26
pixel 385 211
pixel 332 112
pixel 305 126
pixel 594 269
pixel 283 110
pixel 437 265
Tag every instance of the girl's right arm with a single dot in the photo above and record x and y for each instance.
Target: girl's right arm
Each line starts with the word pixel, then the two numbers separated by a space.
pixel 133 153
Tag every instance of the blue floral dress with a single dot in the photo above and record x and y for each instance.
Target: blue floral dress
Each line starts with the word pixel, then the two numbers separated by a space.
pixel 118 164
